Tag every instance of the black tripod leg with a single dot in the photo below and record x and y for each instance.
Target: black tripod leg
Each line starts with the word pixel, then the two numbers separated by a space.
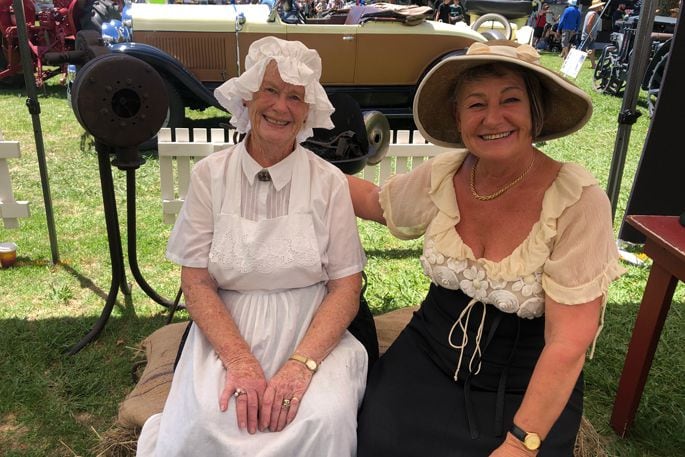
pixel 115 251
pixel 132 254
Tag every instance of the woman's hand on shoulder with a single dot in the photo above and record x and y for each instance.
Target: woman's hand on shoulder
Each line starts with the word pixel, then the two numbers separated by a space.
pixel 283 396
pixel 245 382
pixel 511 447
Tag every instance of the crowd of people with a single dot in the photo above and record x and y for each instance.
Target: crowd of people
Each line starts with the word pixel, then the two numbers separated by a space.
pixel 575 26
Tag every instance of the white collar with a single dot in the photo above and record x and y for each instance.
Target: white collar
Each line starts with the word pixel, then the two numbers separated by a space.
pixel 281 173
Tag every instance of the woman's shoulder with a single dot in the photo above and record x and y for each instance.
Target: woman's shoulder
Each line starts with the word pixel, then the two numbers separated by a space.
pixel 214 160
pixel 322 167
pixel 573 186
pixel 444 165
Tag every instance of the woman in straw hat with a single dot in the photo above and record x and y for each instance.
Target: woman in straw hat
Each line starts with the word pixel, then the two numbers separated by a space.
pixel 271 263
pixel 520 251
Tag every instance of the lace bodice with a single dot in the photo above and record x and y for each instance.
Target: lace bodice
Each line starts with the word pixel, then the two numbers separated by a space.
pixel 523 295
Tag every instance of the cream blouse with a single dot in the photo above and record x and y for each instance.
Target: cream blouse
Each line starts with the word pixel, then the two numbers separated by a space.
pixel 570 253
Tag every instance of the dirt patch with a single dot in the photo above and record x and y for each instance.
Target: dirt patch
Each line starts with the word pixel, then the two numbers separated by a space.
pixel 12 433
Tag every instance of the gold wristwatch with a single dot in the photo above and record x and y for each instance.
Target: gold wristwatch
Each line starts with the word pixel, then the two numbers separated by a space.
pixel 306 361
pixel 529 439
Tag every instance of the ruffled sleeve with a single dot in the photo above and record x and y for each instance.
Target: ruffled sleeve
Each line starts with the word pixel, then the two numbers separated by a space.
pixel 412 200
pixel 584 258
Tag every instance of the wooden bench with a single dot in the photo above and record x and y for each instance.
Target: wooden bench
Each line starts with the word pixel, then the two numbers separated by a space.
pixel 181 148
pixel 10 209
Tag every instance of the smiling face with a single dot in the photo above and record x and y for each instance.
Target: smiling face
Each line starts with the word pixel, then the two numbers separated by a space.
pixel 494 116
pixel 277 111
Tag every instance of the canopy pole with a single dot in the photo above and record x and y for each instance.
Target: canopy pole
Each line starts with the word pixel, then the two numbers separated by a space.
pixel 628 115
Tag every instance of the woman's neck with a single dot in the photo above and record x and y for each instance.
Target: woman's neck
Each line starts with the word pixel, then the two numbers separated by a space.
pixel 501 170
pixel 265 154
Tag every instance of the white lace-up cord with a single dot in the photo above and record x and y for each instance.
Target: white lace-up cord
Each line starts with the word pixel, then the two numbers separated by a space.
pixel 462 321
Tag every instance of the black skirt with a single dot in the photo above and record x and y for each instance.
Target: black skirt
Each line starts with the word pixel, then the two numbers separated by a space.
pixel 414 407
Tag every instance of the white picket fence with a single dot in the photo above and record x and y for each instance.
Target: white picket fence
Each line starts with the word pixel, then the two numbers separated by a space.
pixel 177 157
pixel 10 209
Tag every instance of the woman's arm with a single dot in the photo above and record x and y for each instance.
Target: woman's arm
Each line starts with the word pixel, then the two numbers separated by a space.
pixel 569 331
pixel 243 370
pixel 331 320
pixel 365 199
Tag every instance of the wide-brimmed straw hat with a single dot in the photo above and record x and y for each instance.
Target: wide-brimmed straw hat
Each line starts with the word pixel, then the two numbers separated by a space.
pixel 596 6
pixel 297 64
pixel 566 107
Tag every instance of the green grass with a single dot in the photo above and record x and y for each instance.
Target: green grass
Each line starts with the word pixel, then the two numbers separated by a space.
pixel 52 404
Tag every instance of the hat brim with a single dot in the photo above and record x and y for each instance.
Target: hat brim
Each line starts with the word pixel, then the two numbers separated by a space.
pixel 566 107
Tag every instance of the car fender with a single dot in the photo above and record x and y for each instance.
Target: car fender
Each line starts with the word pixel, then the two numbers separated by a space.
pixel 458 52
pixel 169 67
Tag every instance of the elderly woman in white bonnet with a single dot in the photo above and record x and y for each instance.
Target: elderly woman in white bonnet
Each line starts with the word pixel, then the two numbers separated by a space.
pixel 271 272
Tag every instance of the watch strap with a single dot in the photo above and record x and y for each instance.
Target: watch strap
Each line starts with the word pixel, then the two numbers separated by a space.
pixel 308 362
pixel 518 432
pixel 530 440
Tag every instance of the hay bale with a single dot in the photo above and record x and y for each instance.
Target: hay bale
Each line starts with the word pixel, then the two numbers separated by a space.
pixel 149 395
pixel 118 441
pixel 589 443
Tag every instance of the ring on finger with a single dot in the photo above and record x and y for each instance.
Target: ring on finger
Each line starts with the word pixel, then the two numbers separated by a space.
pixel 238 392
pixel 286 403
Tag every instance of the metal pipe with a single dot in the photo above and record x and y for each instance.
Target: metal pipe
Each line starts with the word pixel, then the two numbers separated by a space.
pixel 115 252
pixel 34 109
pixel 132 250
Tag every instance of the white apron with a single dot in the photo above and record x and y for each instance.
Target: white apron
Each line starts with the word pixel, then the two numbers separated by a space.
pixel 270 278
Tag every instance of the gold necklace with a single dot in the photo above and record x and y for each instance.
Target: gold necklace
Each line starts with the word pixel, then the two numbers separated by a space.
pixel 500 191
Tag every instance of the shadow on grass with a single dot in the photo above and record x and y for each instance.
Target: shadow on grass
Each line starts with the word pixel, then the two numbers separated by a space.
pixel 85 282
pixel 51 402
pixel 397 253
pixel 657 428
pixel 48 90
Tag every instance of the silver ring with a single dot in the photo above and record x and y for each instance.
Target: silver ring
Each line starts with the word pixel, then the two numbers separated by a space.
pixel 238 392
pixel 286 403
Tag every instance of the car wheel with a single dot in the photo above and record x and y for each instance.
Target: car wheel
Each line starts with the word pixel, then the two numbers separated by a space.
pixel 378 133
pixel 175 114
pixel 494 17
pixel 99 12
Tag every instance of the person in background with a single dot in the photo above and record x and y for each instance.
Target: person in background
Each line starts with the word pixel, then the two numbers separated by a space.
pixel 592 25
pixel 569 24
pixel 457 12
pixel 540 22
pixel 271 273
pixel 442 14
pixel 520 252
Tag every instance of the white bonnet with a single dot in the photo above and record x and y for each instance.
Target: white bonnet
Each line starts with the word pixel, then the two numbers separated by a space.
pixel 297 65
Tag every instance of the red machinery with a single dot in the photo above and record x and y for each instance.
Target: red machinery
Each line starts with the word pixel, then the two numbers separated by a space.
pixel 52 34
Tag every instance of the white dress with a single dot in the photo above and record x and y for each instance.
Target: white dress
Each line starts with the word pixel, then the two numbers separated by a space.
pixel 272 274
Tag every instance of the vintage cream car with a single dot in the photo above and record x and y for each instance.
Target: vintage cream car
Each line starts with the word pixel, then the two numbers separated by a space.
pixel 367 52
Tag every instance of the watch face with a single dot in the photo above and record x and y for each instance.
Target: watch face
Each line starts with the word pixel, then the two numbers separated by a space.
pixel 311 364
pixel 532 441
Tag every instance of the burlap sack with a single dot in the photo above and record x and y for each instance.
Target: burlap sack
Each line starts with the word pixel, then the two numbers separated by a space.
pixel 149 395
pixel 389 326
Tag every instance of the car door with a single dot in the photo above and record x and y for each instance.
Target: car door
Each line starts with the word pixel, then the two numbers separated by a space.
pixel 335 43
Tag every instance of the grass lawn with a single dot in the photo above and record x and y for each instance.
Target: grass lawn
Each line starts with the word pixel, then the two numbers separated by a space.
pixel 52 404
